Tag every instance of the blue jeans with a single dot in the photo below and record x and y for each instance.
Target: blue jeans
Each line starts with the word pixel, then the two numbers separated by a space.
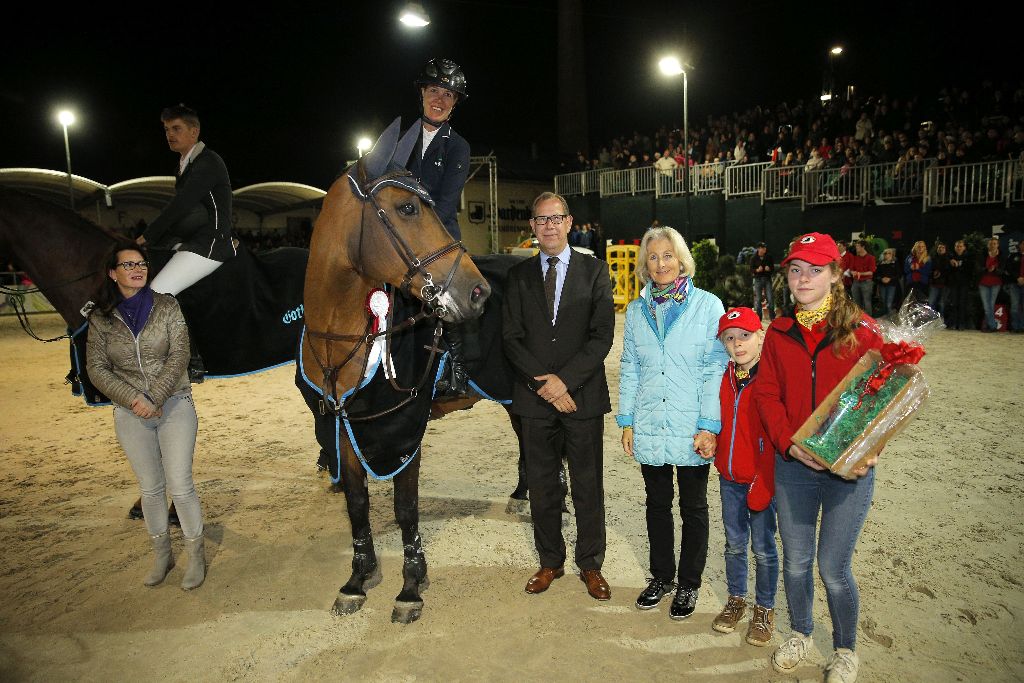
pixel 861 291
pixel 764 285
pixel 160 452
pixel 801 494
pixel 888 293
pixel 937 298
pixel 1016 300
pixel 742 527
pixel 988 302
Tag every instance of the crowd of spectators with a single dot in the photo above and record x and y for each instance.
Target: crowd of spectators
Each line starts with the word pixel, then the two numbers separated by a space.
pixel 956 126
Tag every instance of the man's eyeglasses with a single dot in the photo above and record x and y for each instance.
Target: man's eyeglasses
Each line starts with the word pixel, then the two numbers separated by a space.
pixel 555 218
pixel 132 265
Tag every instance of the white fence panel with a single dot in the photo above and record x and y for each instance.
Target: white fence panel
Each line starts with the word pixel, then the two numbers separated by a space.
pixel 744 179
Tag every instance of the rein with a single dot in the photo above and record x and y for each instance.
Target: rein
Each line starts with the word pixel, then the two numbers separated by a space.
pixel 16 296
pixel 430 295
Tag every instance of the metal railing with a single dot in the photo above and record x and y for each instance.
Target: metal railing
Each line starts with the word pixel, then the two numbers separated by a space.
pixel 783 182
pixel 995 182
pixel 989 182
pixel 580 183
pixel 627 181
pixel 744 179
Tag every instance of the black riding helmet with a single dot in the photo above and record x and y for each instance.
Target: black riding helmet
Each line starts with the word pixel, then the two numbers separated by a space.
pixel 445 73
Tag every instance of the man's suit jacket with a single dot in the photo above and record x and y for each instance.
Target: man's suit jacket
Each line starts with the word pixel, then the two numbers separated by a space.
pixel 574 348
pixel 442 171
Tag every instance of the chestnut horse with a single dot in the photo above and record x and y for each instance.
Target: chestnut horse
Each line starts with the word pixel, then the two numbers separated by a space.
pixel 378 226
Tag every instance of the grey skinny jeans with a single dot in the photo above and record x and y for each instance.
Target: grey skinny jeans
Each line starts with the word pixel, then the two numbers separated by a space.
pixel 160 452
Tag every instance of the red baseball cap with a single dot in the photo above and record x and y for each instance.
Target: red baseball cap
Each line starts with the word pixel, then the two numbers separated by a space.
pixel 741 317
pixel 816 248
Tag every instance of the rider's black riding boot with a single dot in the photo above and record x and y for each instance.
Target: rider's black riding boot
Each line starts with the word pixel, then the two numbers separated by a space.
pixel 456 383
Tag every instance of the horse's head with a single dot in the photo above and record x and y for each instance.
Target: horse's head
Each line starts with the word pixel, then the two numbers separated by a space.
pixel 386 221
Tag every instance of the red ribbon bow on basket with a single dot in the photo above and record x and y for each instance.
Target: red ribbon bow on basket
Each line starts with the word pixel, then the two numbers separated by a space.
pixel 893 354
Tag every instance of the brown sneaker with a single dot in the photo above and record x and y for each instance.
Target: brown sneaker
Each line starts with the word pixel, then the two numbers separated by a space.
pixel 730 615
pixel 762 626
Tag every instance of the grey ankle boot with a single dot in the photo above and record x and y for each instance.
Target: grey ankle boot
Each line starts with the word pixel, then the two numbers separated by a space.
pixel 163 559
pixel 195 571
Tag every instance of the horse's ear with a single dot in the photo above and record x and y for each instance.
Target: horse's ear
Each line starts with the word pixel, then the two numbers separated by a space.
pixel 405 146
pixel 376 161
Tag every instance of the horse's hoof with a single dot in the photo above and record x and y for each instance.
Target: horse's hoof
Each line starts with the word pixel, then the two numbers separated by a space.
pixel 517 507
pixel 348 604
pixel 406 612
pixel 135 512
pixel 337 488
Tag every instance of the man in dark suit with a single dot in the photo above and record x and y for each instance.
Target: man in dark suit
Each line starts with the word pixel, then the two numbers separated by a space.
pixel 440 161
pixel 559 322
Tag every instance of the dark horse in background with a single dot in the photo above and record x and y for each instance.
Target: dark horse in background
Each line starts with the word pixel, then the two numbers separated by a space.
pixel 245 317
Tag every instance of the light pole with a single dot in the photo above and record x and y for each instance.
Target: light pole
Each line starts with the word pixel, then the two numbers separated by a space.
pixel 832 54
pixel 363 145
pixel 671 66
pixel 66 118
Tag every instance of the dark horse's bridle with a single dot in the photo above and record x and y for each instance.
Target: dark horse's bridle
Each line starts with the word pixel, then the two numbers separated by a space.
pixel 430 294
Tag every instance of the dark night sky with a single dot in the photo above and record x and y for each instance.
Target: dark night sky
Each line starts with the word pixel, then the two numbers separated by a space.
pixel 284 92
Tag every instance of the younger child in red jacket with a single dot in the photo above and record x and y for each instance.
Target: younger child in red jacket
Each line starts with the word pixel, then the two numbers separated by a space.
pixel 741 444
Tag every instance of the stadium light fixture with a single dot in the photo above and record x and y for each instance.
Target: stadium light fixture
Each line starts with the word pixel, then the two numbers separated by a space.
pixel 837 50
pixel 414 16
pixel 363 145
pixel 66 118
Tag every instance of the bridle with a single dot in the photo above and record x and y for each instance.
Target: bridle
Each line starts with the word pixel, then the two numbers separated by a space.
pixel 431 296
pixel 16 297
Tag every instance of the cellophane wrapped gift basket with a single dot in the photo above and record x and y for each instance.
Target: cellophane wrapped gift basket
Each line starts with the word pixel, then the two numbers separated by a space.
pixel 877 398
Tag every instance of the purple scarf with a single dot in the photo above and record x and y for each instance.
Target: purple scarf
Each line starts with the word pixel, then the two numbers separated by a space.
pixel 135 311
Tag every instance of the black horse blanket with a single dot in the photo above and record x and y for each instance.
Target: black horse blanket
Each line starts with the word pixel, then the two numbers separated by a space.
pixel 245 317
pixel 387 444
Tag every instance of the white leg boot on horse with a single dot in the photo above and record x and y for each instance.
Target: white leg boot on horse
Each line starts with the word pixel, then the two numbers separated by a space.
pixel 195 571
pixel 163 559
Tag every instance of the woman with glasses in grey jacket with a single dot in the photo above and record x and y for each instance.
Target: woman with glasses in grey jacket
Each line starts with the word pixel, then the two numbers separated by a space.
pixel 138 353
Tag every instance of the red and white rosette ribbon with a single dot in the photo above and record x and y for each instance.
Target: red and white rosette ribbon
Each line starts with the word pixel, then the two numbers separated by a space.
pixel 377 306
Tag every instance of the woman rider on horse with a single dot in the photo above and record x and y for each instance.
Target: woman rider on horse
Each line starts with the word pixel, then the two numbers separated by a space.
pixel 440 161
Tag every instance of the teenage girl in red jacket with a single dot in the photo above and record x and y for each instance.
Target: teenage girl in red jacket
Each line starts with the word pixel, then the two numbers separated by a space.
pixel 803 359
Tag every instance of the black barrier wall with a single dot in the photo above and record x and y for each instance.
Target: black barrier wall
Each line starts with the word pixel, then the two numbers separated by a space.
pixel 744 221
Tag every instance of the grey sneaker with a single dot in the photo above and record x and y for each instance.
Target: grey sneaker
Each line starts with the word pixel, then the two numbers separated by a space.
pixel 762 626
pixel 789 655
pixel 841 666
pixel 730 615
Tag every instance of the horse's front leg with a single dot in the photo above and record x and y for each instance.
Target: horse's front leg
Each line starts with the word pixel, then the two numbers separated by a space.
pixel 409 604
pixel 365 568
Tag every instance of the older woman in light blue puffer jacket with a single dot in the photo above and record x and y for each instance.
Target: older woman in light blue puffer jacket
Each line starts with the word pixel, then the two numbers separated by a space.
pixel 670 374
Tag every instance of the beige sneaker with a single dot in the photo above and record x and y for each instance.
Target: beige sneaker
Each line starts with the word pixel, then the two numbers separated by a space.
pixel 841 666
pixel 789 655
pixel 762 626
pixel 730 615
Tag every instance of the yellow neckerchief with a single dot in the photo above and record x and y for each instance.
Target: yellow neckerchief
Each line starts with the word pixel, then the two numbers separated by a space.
pixel 743 374
pixel 809 319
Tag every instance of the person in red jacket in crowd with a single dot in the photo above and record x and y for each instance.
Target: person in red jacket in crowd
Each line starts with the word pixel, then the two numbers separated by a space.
pixel 804 357
pixel 844 262
pixel 740 444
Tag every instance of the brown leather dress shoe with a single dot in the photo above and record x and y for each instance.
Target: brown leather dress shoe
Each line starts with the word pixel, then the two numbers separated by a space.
pixel 596 585
pixel 540 581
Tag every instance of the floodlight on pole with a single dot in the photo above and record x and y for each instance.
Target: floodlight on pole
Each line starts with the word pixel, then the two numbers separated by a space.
pixel 837 50
pixel 67 118
pixel 363 145
pixel 414 16
pixel 672 66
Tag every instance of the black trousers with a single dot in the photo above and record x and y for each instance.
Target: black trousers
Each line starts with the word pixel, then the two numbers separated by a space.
pixel 693 508
pixel 545 440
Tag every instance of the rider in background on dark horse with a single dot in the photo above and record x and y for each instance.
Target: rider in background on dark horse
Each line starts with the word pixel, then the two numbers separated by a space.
pixel 440 161
pixel 196 225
